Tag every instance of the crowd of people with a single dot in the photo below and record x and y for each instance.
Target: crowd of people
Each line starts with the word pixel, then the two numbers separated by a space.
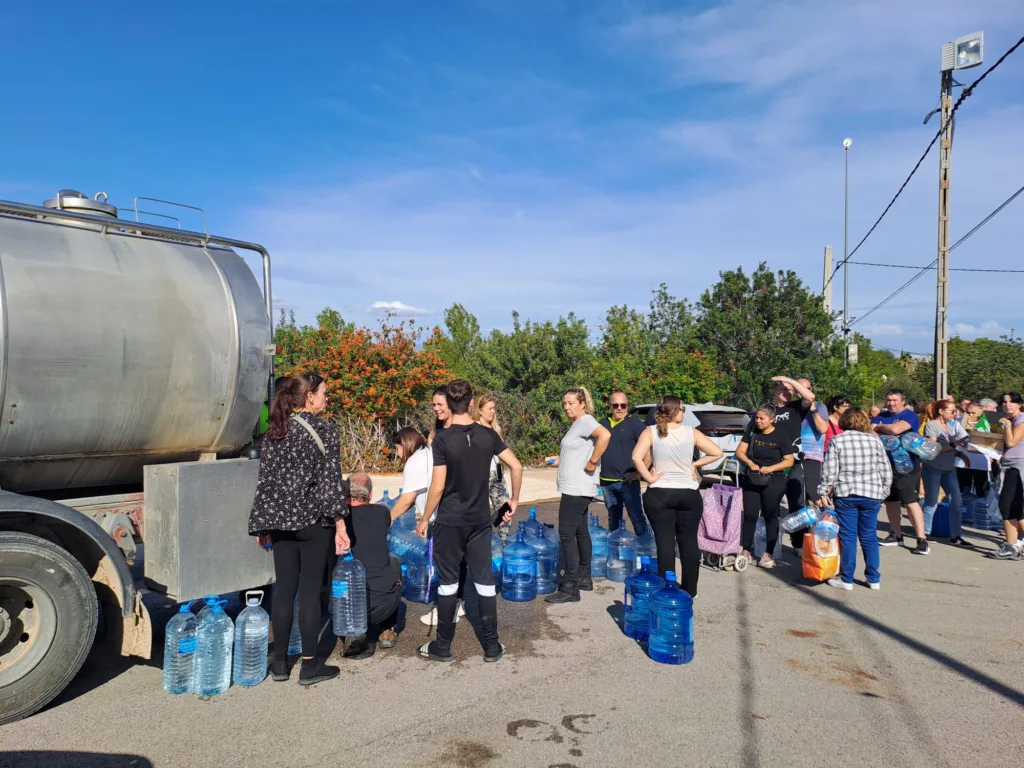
pixel 462 479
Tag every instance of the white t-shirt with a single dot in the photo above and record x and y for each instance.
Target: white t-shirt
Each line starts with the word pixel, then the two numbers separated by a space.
pixel 416 477
pixel 576 449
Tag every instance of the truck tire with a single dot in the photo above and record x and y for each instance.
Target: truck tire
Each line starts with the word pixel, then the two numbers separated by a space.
pixel 48 615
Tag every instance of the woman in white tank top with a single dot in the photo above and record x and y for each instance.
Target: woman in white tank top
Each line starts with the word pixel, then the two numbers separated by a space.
pixel 673 502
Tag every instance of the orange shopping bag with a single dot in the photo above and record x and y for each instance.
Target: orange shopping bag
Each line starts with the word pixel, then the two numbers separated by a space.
pixel 820 557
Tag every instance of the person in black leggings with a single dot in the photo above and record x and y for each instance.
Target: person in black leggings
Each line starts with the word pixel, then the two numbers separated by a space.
pixel 299 513
pixel 766 454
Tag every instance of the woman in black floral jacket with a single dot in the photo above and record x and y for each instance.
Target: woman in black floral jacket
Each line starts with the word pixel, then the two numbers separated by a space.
pixel 298 510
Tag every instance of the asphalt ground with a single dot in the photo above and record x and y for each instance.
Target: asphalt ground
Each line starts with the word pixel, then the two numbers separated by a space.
pixel 928 671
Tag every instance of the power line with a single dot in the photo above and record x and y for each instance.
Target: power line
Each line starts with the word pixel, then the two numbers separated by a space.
pixel 924 270
pixel 954 269
pixel 967 91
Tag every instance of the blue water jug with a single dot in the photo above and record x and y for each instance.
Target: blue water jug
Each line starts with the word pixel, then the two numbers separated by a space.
pixel 920 446
pixel 621 553
pixel 640 585
pixel 519 570
pixel 405 521
pixel 386 500
pixel 552 533
pixel 534 527
pixel 295 637
pixel 671 631
pixel 215 637
pixel 252 638
pixel 497 547
pixel 419 577
pixel 647 546
pixel 599 540
pixel 348 597
pixel 547 560
pixel 902 462
pixel 180 650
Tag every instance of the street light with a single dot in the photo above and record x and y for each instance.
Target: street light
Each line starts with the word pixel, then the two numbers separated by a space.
pixel 963 53
pixel 847 143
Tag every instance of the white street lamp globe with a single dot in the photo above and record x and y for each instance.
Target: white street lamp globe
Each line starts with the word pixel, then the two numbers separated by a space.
pixel 847 143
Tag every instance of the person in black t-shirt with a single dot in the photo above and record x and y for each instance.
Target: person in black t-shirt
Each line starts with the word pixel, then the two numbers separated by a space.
pixel 619 479
pixel 368 526
pixel 793 401
pixel 459 491
pixel 767 451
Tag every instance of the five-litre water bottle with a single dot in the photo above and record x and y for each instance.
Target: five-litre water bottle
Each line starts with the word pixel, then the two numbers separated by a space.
pixel 348 597
pixel 215 637
pixel 534 527
pixel 799 520
pixel 180 650
pixel 252 636
pixel 920 445
pixel 621 553
pixel 547 560
pixel 902 462
pixel 419 578
pixel 208 602
pixel 647 546
pixel 640 585
pixel 295 636
pixel 826 531
pixel 671 631
pixel 599 540
pixel 497 547
pixel 519 569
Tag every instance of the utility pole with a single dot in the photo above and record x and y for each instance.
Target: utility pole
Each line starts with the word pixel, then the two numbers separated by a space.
pixel 847 143
pixel 942 283
pixel 826 291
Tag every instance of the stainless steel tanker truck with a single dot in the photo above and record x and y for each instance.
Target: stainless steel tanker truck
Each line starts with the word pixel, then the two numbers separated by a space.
pixel 134 361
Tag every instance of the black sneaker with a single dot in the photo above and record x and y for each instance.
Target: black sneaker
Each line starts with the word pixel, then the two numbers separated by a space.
pixel 1006 552
pixel 568 593
pixel 495 654
pixel 280 671
pixel 314 671
pixel 922 547
pixel 892 540
pixel 961 542
pixel 359 649
pixel 586 584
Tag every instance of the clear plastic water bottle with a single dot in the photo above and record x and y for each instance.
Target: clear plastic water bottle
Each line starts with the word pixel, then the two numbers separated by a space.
pixel 799 520
pixel 671 631
pixel 252 637
pixel 761 541
pixel 497 548
pixel 902 461
pixel 180 650
pixel 647 546
pixel 621 553
pixel 920 446
pixel 640 585
pixel 547 560
pixel 419 579
pixel 534 527
pixel 215 637
pixel 295 636
pixel 599 539
pixel 348 597
pixel 208 602
pixel 519 569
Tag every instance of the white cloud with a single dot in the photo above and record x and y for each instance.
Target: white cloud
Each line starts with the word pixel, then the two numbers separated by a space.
pixel 397 308
pixel 989 329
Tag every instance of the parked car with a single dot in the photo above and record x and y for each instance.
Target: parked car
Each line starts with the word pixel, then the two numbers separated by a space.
pixel 723 424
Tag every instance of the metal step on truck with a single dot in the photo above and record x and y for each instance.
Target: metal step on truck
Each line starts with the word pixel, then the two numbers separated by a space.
pixel 134 362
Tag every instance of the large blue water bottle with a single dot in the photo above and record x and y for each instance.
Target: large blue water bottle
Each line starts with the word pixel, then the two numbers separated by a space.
pixel 405 521
pixel 547 561
pixel 621 553
pixel 180 650
pixel 534 527
pixel 640 585
pixel 252 636
pixel 902 461
pixel 552 533
pixel 497 548
pixel 348 597
pixel 215 637
pixel 519 569
pixel 599 540
pixel 419 579
pixel 646 546
pixel 920 445
pixel 386 500
pixel 671 633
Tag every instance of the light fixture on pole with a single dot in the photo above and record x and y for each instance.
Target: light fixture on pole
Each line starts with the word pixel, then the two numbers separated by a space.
pixel 847 143
pixel 963 53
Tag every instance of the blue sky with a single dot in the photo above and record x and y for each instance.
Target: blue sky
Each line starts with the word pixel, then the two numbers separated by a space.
pixel 546 156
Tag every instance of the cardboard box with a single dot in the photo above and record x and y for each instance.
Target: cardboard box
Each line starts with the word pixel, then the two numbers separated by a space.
pixel 992 440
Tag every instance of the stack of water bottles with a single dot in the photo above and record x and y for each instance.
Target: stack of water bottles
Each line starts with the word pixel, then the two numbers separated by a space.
pixel 985 514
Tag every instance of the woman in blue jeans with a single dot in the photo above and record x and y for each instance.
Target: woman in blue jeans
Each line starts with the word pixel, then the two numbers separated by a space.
pixel 949 433
pixel 856 476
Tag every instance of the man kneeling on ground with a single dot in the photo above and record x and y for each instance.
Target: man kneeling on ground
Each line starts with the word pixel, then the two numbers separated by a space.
pixel 368 531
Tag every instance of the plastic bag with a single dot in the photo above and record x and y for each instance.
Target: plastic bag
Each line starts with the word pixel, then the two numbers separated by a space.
pixel 820 558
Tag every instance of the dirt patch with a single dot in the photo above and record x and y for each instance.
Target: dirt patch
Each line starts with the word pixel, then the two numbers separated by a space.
pixel 533 730
pixel 569 722
pixel 576 752
pixel 804 633
pixel 952 583
pixel 849 676
pixel 468 754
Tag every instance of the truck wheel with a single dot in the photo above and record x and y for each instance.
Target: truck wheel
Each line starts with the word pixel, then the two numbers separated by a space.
pixel 48 616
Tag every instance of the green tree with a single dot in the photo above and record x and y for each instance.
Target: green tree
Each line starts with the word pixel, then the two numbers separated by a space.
pixel 979 368
pixel 670 320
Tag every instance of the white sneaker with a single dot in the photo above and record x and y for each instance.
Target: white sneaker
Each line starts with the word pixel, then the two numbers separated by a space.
pixel 876 586
pixel 430 619
pixel 840 584
pixel 460 613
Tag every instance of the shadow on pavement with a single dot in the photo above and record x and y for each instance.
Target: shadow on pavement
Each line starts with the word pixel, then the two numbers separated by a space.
pixel 57 759
pixel 618 613
pixel 746 668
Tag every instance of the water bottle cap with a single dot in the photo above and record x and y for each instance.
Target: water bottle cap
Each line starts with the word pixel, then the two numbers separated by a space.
pixel 186 608
pixel 256 599
pixel 348 556
pixel 533 513
pixel 670 576
pixel 645 560
pixel 217 606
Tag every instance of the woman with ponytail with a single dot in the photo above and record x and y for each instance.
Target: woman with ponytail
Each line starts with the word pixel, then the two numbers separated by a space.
pixel 298 512
pixel 578 478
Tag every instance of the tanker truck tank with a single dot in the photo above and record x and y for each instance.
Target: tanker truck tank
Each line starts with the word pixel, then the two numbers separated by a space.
pixel 121 346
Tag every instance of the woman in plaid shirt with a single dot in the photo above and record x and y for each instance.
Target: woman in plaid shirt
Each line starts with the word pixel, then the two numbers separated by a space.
pixel 857 476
